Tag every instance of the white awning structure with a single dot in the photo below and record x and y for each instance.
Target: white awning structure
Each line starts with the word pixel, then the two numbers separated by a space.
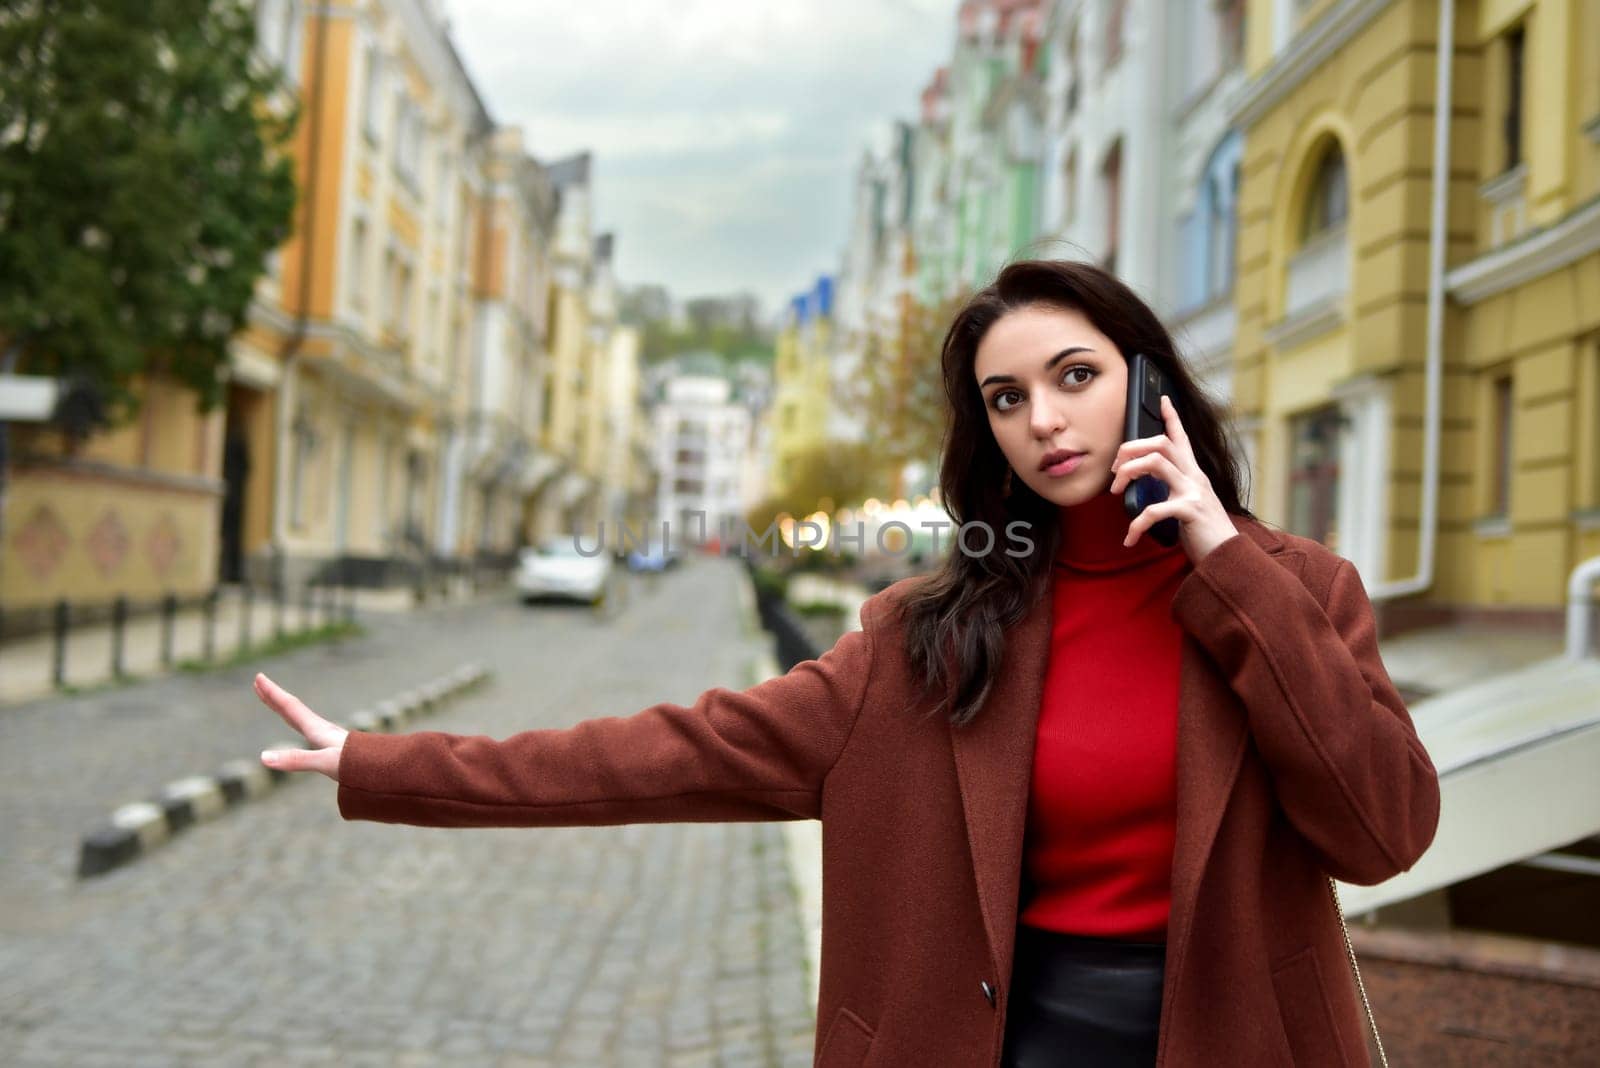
pixel 1518 757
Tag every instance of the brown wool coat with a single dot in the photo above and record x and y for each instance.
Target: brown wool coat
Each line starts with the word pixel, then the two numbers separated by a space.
pixel 1296 757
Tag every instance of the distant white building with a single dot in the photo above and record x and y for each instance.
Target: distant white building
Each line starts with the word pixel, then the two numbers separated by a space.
pixel 702 439
pixel 753 388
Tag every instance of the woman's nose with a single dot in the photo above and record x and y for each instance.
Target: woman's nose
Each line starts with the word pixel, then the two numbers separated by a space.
pixel 1047 419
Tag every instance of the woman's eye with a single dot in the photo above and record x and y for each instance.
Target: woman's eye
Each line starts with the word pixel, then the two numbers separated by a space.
pixel 1089 371
pixel 1000 404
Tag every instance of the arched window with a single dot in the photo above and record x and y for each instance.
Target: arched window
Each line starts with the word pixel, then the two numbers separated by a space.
pixel 1319 269
pixel 1328 205
pixel 1207 234
pixel 1222 215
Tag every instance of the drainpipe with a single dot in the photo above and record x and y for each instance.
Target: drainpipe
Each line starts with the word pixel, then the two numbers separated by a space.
pixel 288 381
pixel 1579 583
pixel 1428 526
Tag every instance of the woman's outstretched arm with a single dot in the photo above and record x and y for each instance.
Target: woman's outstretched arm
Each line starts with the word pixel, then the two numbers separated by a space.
pixel 1346 763
pixel 760 753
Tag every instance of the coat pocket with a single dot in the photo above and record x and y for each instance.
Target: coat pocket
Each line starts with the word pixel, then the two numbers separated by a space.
pixel 847 1042
pixel 1306 1011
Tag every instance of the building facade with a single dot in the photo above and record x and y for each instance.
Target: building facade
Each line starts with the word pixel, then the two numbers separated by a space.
pixel 702 434
pixel 423 380
pixel 1346 312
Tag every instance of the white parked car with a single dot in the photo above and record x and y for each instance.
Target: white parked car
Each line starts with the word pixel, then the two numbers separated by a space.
pixel 555 568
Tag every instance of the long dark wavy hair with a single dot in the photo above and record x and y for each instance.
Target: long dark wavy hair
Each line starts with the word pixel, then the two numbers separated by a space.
pixel 956 617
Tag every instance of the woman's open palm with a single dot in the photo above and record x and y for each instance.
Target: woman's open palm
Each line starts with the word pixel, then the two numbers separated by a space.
pixel 327 738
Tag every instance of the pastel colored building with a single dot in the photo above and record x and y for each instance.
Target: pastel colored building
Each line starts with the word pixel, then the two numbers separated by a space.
pixel 1371 279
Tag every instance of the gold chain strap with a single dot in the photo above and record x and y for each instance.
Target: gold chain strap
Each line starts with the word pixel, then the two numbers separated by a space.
pixel 1333 888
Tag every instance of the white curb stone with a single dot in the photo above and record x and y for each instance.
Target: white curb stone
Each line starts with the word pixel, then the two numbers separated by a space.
pixel 203 794
pixel 144 819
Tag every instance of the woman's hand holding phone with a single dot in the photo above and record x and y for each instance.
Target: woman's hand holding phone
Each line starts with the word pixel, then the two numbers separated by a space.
pixel 327 737
pixel 1203 523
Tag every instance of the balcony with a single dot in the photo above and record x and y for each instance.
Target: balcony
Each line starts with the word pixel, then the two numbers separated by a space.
pixel 1319 273
pixel 1314 294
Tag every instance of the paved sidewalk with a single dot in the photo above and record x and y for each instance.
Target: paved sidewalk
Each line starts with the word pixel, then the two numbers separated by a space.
pixel 281 935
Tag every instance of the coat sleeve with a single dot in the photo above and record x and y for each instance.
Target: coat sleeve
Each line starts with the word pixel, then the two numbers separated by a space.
pixel 1346 763
pixel 755 754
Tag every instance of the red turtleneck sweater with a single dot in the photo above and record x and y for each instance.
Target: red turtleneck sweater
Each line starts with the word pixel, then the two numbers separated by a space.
pixel 1102 806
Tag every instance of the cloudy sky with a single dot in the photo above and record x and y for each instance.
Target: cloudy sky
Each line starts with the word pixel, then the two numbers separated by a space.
pixel 725 132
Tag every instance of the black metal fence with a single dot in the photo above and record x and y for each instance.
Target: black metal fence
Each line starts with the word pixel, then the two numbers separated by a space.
pixel 793 644
pixel 319 605
pixel 317 598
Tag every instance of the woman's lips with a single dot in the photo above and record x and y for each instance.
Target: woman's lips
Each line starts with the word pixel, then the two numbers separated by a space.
pixel 1065 467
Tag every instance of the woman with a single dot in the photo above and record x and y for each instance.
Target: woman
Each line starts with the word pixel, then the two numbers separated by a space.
pixel 1080 792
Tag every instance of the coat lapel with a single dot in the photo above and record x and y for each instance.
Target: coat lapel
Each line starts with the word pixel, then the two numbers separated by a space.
pixel 994 762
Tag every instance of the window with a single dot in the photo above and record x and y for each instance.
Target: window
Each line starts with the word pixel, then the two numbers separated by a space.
pixel 372 93
pixel 1222 198
pixel 1594 430
pixel 1230 30
pixel 356 266
pixel 388 299
pixel 380 513
pixel 1314 475
pixel 407 140
pixel 1073 67
pixel 1328 205
pixel 1512 122
pixel 1069 188
pixel 403 300
pixel 305 444
pixel 486 517
pixel 1500 462
pixel 1116 28
pixel 441 185
pixel 278 35
pixel 1111 180
pixel 431 328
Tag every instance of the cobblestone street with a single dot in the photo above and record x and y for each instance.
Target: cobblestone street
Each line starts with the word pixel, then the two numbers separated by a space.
pixel 280 934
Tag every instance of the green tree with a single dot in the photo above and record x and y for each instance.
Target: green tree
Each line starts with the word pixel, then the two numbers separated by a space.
pixel 824 477
pixel 144 180
pixel 899 390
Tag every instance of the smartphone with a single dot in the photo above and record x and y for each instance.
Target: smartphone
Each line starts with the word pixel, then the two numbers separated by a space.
pixel 1146 384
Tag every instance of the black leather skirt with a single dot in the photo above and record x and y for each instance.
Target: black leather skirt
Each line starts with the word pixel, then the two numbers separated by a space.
pixel 1083 1002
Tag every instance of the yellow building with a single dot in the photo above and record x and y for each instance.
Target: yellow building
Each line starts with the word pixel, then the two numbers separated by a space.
pixel 1529 293
pixel 566 503
pixel 493 461
pixel 415 365
pixel 365 323
pixel 627 487
pixel 802 382
pixel 594 384
pixel 1335 341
